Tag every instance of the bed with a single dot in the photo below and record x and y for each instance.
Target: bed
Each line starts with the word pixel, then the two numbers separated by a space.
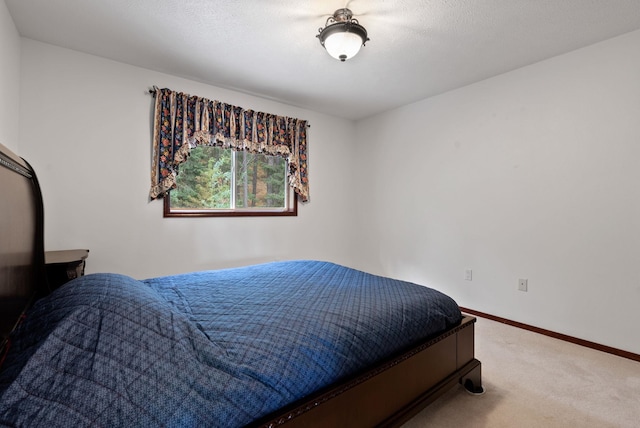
pixel 292 343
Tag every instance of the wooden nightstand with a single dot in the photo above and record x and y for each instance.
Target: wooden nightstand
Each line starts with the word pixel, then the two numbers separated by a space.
pixel 63 266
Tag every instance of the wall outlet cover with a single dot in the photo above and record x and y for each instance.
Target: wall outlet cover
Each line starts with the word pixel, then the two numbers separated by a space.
pixel 523 284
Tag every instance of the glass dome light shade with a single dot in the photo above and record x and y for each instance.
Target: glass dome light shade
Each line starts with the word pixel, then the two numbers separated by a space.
pixel 343 46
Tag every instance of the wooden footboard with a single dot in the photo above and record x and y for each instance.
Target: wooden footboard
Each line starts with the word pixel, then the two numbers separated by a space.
pixel 393 392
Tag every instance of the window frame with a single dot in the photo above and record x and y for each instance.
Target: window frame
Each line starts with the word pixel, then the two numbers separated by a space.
pixel 291 200
pixel 291 211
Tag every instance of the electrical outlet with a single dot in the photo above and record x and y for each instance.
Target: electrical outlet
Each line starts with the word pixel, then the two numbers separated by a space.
pixel 468 274
pixel 523 284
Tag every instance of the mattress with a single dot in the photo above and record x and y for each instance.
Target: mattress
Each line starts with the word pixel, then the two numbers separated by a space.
pixel 214 348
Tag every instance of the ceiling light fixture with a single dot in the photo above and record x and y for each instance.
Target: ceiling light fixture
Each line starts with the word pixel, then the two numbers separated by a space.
pixel 342 36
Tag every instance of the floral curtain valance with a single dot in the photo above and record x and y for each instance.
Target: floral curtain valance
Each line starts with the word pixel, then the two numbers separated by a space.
pixel 182 121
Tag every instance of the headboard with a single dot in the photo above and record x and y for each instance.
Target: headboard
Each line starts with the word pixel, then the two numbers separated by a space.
pixel 22 271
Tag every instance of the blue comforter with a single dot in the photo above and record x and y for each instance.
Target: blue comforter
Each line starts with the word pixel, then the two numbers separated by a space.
pixel 217 348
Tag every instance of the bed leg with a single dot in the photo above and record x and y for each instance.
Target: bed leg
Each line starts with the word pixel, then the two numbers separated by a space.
pixel 472 381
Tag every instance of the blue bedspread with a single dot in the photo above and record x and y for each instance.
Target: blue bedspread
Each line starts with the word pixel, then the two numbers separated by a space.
pixel 217 348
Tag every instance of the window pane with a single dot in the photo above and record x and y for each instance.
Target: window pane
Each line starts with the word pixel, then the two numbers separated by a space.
pixel 260 181
pixel 215 181
pixel 204 181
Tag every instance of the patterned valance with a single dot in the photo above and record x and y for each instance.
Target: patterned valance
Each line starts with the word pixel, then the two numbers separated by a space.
pixel 182 121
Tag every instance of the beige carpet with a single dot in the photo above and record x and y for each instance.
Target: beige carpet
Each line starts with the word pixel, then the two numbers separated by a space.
pixel 533 380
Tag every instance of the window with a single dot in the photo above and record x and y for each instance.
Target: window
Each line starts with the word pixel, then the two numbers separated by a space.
pixel 217 181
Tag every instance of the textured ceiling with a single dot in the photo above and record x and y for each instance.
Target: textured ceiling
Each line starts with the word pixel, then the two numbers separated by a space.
pixel 418 48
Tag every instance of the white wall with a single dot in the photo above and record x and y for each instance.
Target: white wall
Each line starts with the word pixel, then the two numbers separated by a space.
pixel 86 129
pixel 532 174
pixel 9 79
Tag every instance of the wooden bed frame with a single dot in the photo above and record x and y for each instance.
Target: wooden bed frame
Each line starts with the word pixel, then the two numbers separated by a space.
pixel 386 395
